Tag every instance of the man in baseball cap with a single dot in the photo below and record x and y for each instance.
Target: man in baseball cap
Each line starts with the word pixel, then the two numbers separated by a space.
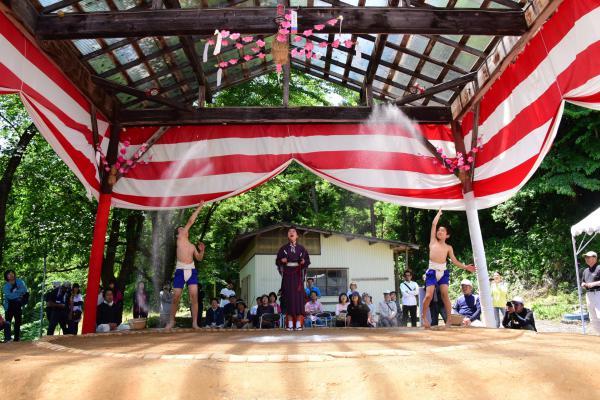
pixel 517 316
pixel 591 283
pixel 468 305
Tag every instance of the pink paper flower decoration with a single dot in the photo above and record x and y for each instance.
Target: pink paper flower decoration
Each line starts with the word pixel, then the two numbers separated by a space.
pixel 319 27
pixel 278 68
pixel 348 43
pixel 255 49
pixel 261 55
pixel 234 36
pixel 284 31
pixel 121 170
pixel 210 42
pixel 475 150
pixel 224 43
pixel 121 159
pixel 248 57
pixel 129 162
pixel 297 39
pixel 123 150
pixel 233 61
pixel 332 21
pixel 260 43
pixel 307 32
pixel 239 46
pixel 323 45
pixel 288 17
pixel 316 56
pixel 294 52
pixel 223 64
pixel 286 24
pixel 281 38
pixel 247 39
pixel 224 34
pixel 335 44
pixel 309 54
pixel 309 46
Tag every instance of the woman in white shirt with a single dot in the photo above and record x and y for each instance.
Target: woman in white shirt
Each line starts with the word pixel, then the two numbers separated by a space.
pixel 75 309
pixel 341 309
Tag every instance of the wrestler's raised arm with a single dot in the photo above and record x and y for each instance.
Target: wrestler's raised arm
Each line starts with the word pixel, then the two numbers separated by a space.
pixel 469 267
pixel 432 236
pixel 193 217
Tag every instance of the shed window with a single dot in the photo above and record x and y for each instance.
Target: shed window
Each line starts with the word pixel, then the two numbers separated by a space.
pixel 330 281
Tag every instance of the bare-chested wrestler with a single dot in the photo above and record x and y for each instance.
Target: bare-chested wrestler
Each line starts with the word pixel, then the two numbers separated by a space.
pixel 437 273
pixel 185 270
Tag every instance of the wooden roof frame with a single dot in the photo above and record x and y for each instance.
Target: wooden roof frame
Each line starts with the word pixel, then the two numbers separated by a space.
pixel 459 87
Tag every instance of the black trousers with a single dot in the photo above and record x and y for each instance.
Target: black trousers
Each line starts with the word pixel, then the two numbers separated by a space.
pixel 15 311
pixel 436 309
pixel 58 317
pixel 412 310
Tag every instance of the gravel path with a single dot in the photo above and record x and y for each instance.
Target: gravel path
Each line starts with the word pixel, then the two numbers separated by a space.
pixel 557 327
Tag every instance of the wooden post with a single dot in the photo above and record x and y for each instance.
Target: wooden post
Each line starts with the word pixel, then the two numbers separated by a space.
pixel 286 84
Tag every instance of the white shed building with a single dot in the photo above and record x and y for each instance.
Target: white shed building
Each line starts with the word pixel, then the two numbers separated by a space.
pixel 336 260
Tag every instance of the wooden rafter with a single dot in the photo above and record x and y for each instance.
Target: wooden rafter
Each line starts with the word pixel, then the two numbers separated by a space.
pixel 275 115
pixel 441 87
pixel 386 20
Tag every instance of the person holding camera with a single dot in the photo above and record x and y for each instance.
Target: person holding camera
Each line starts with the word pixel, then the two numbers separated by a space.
pixel 517 316
pixel 591 284
pixel 15 297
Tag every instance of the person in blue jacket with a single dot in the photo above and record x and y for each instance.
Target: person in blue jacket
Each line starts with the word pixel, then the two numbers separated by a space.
pixel 15 292
pixel 214 315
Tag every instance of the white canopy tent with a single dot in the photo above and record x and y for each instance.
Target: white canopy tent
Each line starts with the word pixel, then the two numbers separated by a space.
pixel 588 228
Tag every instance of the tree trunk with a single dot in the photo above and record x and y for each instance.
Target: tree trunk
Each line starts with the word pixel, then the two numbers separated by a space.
pixel 133 234
pixel 7 179
pixel 373 218
pixel 313 198
pixel 108 264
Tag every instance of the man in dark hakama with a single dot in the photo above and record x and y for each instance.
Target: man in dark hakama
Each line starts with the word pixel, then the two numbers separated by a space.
pixel 292 262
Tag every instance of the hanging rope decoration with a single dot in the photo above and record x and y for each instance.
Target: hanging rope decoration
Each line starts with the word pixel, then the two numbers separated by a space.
pixel 287 26
pixel 123 165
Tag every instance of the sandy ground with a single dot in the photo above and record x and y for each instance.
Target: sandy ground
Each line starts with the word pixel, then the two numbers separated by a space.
pixel 450 364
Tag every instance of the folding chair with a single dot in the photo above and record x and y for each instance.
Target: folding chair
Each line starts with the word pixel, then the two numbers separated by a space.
pixel 323 320
pixel 268 318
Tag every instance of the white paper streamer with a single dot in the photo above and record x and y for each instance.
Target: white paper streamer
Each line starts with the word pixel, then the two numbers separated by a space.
pixel 219 76
pixel 218 44
pixel 341 18
pixel 205 54
pixel 357 49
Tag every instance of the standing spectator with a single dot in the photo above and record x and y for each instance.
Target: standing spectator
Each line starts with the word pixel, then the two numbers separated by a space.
pixel 341 310
pixel 396 300
pixel 166 298
pixel 368 300
pixel 226 292
pixel 48 310
pixel 140 301
pixel 214 315
pixel 310 287
pixel 229 310
pixel 468 305
pixel 312 308
pixel 359 314
pixel 100 299
pixel 15 297
pixel 253 311
pixel 117 296
pixel 436 307
pixel 387 311
pixel 353 288
pixel 263 309
pixel 75 309
pixel 108 315
pixel 410 291
pixel 517 316
pixel 58 302
pixel 241 319
pixel 499 297
pixel 591 284
pixel 5 326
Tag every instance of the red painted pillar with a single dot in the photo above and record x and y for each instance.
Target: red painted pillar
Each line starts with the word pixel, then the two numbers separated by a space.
pixel 96 259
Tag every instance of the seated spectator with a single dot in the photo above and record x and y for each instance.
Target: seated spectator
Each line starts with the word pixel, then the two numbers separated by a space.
pixel 396 300
pixel 353 288
pixel 312 308
pixel 358 313
pixel 140 301
pixel 468 305
pixel 108 315
pixel 368 300
pixel 517 316
pixel 264 308
pixel 5 326
pixel 310 286
pixel 229 310
pixel 166 298
pixel 341 310
pixel 214 315
pixel 241 319
pixel 388 312
pixel 273 302
pixel 75 309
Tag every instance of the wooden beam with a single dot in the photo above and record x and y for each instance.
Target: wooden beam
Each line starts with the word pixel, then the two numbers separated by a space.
pixel 115 87
pixel 383 20
pixel 271 115
pixel 437 89
pixel 58 5
pixel 25 12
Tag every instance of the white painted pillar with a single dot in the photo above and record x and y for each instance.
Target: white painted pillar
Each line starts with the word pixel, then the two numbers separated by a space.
pixel 483 280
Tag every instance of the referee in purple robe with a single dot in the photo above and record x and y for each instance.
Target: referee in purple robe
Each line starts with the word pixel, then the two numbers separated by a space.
pixel 292 262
